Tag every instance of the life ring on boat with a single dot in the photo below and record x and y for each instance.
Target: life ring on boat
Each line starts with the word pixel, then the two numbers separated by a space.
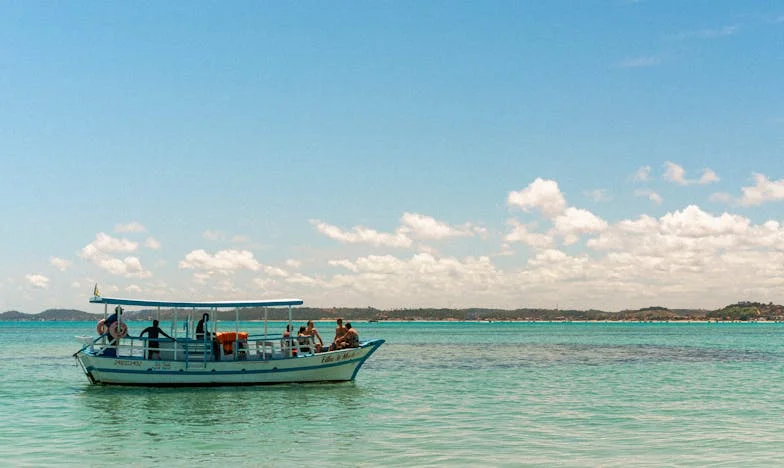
pixel 118 330
pixel 100 327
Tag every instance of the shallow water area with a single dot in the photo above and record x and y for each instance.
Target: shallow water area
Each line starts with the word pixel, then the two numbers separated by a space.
pixel 437 393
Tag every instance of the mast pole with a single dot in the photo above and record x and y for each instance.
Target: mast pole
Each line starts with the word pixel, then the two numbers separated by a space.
pixel 291 331
pixel 264 348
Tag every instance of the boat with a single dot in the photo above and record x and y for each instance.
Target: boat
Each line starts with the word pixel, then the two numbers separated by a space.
pixel 230 357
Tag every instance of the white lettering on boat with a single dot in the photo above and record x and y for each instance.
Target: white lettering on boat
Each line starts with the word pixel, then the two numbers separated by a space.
pixel 338 357
pixel 121 362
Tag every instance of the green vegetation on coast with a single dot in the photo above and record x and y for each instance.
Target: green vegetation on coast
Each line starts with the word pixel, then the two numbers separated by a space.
pixel 741 311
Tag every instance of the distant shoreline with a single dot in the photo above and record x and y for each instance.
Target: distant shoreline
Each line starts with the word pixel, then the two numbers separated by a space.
pixel 744 311
pixel 397 321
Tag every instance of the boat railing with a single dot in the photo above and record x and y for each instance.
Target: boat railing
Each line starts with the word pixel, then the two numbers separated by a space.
pixel 250 347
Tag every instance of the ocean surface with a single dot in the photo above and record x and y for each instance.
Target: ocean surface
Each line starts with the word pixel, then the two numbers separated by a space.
pixel 436 394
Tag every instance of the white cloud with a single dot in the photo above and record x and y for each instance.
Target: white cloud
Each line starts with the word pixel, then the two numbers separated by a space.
pixel 690 257
pixel 225 286
pixel 568 222
pixel 598 195
pixel 212 235
pixel 128 266
pixel 223 261
pixel 133 226
pixel 575 221
pixel 505 251
pixel 267 285
pixel 440 280
pixel 684 258
pixel 37 281
pixel 108 244
pixel 649 194
pixel 708 177
pixel 427 227
pixel 152 243
pixel 362 235
pixel 300 279
pixel 413 226
pixel 541 194
pixel 521 233
pixel 675 173
pixel 345 264
pixel 59 263
pixel 643 174
pixel 202 278
pixel 690 229
pixel 763 190
pixel 99 252
pixel 275 271
pixel 693 222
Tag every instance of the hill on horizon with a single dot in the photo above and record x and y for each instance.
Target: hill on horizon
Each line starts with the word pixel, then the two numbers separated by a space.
pixel 741 311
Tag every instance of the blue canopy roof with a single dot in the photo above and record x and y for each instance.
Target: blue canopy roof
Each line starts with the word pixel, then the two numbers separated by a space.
pixel 198 305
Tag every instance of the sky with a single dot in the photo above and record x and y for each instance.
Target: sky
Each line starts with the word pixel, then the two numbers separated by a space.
pixel 609 154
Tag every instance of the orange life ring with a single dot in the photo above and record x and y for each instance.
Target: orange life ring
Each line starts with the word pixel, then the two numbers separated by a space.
pixel 118 330
pixel 101 327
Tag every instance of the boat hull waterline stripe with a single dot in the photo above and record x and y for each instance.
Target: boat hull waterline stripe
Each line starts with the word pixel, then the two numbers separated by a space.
pixel 220 372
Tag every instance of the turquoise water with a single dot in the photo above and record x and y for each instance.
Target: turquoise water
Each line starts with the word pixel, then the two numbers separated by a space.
pixel 436 394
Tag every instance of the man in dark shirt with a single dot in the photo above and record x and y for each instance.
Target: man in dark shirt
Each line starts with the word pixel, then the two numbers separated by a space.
pixel 152 342
pixel 110 320
pixel 203 333
pixel 113 318
pixel 203 326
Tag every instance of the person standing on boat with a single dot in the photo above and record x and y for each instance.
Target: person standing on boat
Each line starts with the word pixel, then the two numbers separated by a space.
pixel 152 339
pixel 202 327
pixel 203 333
pixel 113 318
pixel 112 341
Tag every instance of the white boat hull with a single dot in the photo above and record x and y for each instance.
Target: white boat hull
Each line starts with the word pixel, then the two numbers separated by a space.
pixel 333 366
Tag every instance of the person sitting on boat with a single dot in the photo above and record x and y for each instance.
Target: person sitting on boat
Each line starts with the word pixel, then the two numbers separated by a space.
pixel 340 330
pixel 152 339
pixel 350 339
pixel 303 339
pixel 312 332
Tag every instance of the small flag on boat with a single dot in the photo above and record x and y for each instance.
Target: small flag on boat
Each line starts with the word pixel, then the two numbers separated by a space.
pixel 96 293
